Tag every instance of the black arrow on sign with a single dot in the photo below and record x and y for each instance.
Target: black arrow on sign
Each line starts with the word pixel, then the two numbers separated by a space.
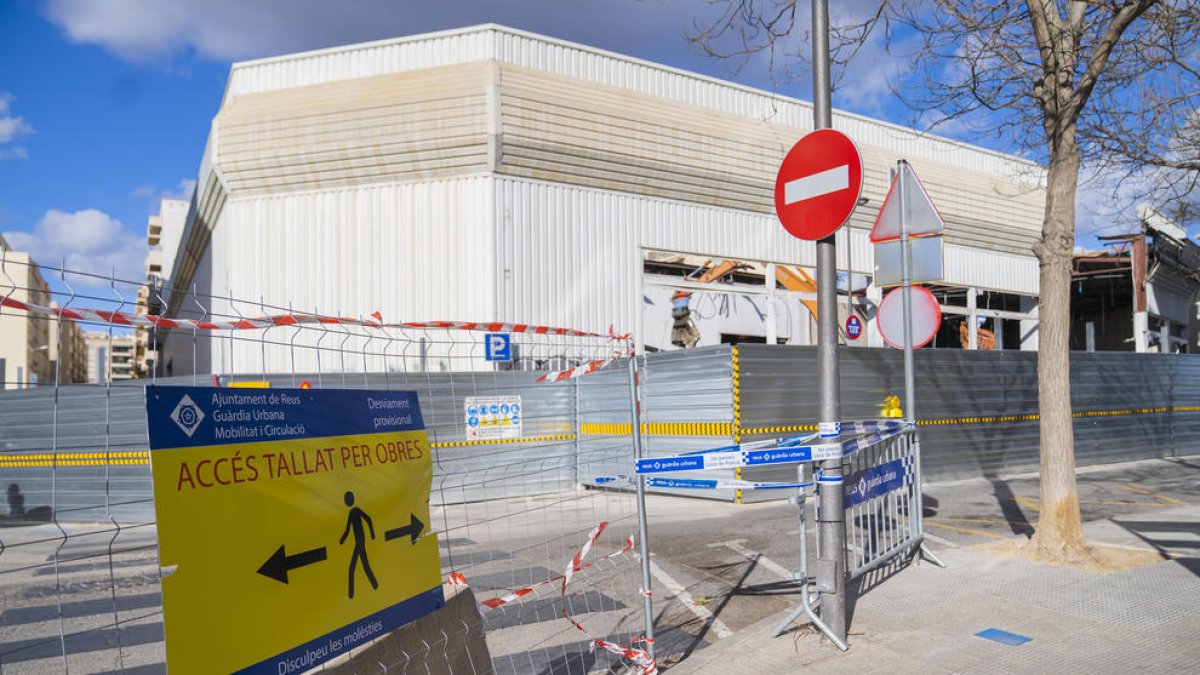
pixel 280 563
pixel 413 530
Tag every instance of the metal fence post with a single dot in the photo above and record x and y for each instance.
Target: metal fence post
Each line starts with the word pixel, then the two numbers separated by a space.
pixel 635 416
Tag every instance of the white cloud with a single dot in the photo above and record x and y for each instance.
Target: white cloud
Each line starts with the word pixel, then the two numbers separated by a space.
pixel 144 30
pixel 151 193
pixel 1107 198
pixel 183 190
pixel 12 127
pixel 147 192
pixel 88 241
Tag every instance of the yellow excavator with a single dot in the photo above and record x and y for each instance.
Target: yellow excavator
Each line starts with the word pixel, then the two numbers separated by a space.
pixel 683 331
pixel 798 280
pixel 983 337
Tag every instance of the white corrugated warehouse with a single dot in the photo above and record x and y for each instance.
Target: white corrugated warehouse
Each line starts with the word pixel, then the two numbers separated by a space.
pixel 492 174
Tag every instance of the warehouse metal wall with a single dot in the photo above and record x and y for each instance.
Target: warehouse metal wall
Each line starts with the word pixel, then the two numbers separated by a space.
pixel 977 410
pixel 94 419
pixel 694 387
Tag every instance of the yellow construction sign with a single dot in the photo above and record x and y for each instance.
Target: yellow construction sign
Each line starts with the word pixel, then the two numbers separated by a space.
pixel 296 522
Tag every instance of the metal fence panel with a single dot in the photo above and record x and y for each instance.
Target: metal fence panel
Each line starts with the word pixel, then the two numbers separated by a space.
pixel 977 410
pixel 79 573
pixel 688 406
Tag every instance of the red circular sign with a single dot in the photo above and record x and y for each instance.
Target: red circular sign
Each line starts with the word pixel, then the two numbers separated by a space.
pixel 818 184
pixel 926 317
pixel 853 327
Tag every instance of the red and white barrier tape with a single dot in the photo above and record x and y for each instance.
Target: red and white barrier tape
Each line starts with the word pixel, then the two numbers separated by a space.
pixel 592 366
pixel 295 319
pixel 290 319
pixel 639 657
pixel 586 369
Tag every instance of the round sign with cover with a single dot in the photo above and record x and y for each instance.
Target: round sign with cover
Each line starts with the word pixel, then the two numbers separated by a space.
pixel 818 184
pixel 926 317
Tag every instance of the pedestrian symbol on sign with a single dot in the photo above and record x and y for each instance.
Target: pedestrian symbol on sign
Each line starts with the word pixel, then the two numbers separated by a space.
pixel 355 521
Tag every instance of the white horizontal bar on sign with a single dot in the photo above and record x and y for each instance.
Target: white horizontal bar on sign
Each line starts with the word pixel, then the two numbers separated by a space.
pixel 995 313
pixel 817 184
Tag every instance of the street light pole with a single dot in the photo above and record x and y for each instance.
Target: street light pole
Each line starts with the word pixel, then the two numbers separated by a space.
pixel 831 518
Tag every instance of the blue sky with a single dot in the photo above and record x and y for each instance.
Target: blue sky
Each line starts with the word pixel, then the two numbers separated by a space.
pixel 105 104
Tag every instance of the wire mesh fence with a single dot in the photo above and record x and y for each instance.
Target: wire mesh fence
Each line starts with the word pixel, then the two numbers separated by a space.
pixel 503 404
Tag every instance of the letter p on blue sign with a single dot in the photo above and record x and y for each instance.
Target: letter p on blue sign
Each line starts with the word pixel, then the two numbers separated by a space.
pixel 497 346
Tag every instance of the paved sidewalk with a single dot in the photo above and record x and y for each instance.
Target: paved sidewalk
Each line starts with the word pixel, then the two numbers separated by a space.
pixel 924 619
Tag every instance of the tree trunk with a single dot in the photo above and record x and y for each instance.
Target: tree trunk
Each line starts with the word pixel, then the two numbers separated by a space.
pixel 1059 532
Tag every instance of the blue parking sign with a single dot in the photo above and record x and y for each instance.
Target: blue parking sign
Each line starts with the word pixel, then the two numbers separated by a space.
pixel 497 346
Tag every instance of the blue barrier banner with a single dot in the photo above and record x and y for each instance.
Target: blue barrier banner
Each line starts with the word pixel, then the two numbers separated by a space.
pixel 682 483
pixel 664 464
pixel 863 442
pixel 699 483
pixel 779 456
pixel 873 482
pixel 785 450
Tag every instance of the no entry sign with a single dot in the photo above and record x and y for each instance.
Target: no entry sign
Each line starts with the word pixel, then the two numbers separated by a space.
pixel 818 184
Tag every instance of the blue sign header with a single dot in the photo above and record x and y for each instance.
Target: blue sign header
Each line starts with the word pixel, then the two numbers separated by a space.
pixel 183 417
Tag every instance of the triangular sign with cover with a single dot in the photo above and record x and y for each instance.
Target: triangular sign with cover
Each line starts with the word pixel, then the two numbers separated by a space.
pixel 923 217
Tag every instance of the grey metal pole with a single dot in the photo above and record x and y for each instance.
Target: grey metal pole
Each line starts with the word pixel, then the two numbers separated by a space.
pixel 910 394
pixel 831 518
pixel 910 389
pixel 635 415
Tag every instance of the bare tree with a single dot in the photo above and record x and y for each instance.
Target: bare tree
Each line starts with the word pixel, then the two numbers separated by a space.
pixel 1109 82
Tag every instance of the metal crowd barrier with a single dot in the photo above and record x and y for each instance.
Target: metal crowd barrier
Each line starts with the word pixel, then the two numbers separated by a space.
pixel 883 503
pixel 882 485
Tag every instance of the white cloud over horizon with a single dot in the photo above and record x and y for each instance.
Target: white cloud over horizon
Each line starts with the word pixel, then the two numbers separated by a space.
pixel 88 241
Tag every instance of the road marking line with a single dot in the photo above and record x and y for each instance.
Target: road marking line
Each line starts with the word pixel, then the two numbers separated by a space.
pixel 680 592
pixel 1151 493
pixel 817 184
pixel 966 530
pixel 944 542
pixel 736 546
pixel 1028 503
